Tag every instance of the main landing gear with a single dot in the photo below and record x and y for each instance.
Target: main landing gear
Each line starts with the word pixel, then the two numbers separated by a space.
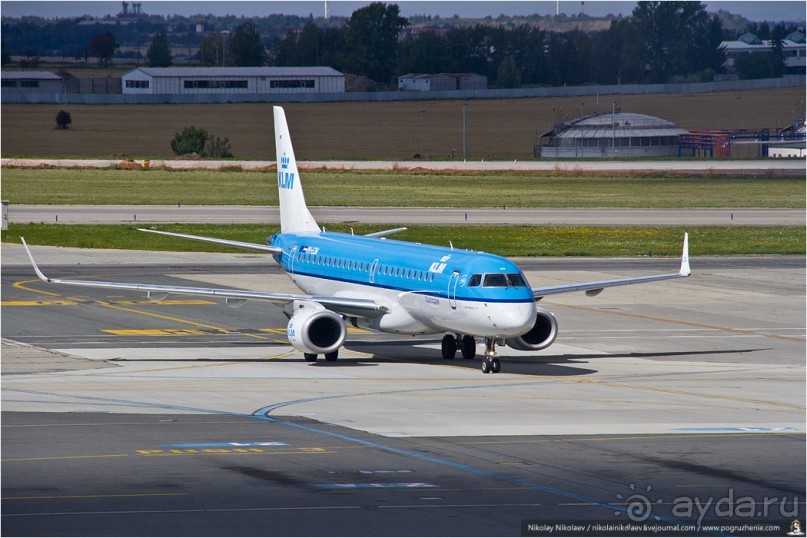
pixel 330 357
pixel 467 345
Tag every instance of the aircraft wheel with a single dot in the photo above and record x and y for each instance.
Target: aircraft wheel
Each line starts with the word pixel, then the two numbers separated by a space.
pixel 449 347
pixel 486 366
pixel 310 357
pixel 468 347
pixel 332 356
pixel 495 366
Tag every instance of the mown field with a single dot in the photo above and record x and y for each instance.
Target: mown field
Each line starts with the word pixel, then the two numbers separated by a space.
pixel 502 240
pixel 402 189
pixel 497 129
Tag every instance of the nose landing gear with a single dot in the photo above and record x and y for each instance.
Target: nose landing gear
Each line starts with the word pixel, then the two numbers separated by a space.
pixel 490 364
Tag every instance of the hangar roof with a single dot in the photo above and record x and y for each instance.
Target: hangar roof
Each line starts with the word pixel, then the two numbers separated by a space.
pixel 30 75
pixel 621 124
pixel 238 71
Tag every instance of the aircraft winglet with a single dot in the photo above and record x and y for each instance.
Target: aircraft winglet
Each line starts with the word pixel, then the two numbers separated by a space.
pixel 685 270
pixel 39 273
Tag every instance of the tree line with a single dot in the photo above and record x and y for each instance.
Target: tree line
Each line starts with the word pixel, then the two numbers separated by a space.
pixel 660 42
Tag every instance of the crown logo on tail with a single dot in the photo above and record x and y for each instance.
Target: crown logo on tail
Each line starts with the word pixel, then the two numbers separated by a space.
pixel 284 161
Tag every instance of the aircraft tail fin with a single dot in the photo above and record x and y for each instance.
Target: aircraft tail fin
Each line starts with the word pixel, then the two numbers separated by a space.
pixel 294 214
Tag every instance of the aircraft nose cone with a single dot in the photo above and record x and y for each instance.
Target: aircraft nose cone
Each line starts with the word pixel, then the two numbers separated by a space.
pixel 516 319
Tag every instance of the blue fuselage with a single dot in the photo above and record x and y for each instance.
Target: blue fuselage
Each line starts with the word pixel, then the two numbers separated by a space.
pixel 424 289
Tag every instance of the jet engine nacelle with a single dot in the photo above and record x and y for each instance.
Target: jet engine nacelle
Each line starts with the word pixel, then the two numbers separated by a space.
pixel 313 329
pixel 541 336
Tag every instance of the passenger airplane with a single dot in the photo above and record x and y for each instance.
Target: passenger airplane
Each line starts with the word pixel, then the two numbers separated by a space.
pixel 386 285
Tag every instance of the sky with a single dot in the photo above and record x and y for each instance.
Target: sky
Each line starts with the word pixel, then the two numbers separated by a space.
pixel 755 10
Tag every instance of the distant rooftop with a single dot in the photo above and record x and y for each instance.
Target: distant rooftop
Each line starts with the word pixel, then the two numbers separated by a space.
pixel 621 124
pixel 237 71
pixel 30 75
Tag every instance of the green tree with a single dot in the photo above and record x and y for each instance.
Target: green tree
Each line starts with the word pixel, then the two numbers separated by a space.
pixel 759 65
pixel 190 140
pixel 63 119
pixel 426 53
pixel 198 141
pixel 666 34
pixel 218 148
pixel 103 46
pixel 213 51
pixel 372 41
pixel 508 74
pixel 6 54
pixel 245 48
pixel 159 53
pixel 306 51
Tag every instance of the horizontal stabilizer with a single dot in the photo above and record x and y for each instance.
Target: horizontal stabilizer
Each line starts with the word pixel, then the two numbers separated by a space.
pixel 385 233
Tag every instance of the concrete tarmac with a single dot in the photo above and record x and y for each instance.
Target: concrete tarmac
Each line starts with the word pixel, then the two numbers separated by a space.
pixel 203 420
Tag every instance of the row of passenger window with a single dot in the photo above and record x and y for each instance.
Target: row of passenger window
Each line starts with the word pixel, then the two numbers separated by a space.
pixel 364 267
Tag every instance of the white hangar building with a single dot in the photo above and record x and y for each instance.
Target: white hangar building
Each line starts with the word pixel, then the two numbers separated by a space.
pixel 237 80
pixel 31 82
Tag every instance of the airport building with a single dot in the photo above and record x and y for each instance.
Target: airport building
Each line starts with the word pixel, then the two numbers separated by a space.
pixel 235 80
pixel 793 50
pixel 442 81
pixel 31 82
pixel 618 134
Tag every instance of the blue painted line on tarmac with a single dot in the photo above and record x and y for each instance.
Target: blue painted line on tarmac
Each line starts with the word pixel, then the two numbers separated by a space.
pixel 378 485
pixel 268 409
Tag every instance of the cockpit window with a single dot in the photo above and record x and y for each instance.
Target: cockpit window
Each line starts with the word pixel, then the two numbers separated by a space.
pixel 495 281
pixel 514 280
pixel 474 281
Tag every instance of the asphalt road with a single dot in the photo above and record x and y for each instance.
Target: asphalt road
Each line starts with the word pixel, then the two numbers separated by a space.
pixel 709 166
pixel 69 214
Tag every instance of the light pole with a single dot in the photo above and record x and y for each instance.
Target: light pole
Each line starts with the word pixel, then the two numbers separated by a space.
pixel 464 131
pixel 421 133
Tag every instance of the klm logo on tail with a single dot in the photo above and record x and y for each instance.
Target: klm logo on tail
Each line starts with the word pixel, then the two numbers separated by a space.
pixel 285 180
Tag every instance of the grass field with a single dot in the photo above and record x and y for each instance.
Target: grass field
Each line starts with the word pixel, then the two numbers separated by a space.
pixel 502 240
pixel 500 128
pixel 335 188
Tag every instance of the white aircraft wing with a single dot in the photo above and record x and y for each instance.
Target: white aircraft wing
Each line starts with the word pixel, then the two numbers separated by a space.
pixel 342 305
pixel 594 288
pixel 228 242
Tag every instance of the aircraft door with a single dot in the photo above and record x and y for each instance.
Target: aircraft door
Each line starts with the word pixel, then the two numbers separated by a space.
pixel 452 289
pixel 292 255
pixel 372 270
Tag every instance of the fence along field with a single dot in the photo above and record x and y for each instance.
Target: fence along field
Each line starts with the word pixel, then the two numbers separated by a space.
pixel 497 129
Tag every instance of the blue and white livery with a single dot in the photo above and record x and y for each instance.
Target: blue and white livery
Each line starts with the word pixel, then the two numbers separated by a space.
pixel 386 285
